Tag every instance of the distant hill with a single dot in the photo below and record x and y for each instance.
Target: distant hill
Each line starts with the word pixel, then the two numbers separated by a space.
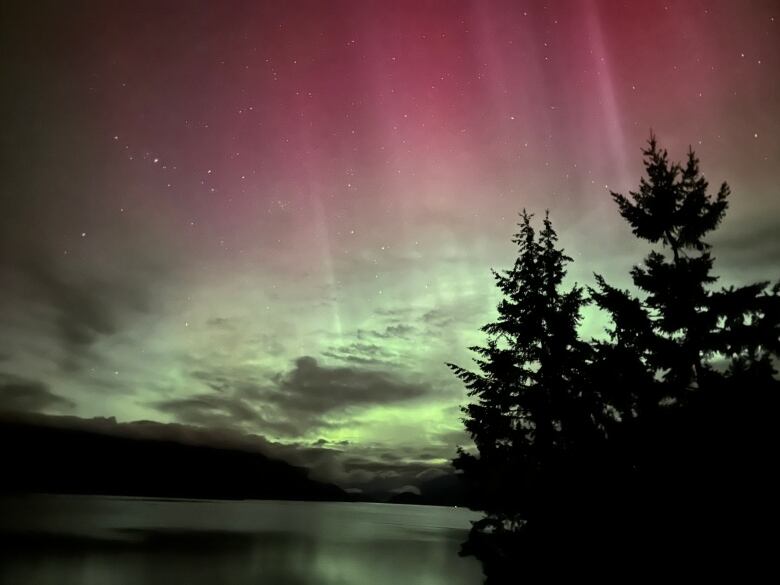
pixel 36 458
pixel 444 490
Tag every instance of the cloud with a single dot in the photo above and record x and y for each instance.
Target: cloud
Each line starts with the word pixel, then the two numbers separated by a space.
pixel 23 395
pixel 361 353
pixel 754 249
pixel 71 308
pixel 84 309
pixel 310 387
pixel 395 312
pixel 371 347
pixel 207 409
pixel 229 401
pixel 306 398
pixel 311 397
pixel 399 330
pixel 394 331
pixel 438 318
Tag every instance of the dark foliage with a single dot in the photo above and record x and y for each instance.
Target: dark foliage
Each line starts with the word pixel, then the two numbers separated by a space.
pixel 655 446
pixel 533 420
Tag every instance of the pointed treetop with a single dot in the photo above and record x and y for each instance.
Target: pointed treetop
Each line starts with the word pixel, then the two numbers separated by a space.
pixel 672 204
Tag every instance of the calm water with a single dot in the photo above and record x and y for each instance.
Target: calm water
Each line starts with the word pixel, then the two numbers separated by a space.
pixel 64 540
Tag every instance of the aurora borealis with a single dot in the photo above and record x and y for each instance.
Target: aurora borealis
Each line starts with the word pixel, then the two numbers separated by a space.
pixel 279 218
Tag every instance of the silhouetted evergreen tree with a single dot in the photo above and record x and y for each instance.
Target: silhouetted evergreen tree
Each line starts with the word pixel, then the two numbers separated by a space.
pixel 688 371
pixel 531 414
pixel 655 446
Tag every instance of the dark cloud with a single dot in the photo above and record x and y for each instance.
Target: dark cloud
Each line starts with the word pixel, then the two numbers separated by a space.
pixel 371 348
pixel 71 307
pixel 83 309
pixel 208 409
pixel 313 396
pixel 438 318
pixel 361 353
pixel 292 403
pixel 395 312
pixel 397 330
pixel 23 395
pixel 226 382
pixel 755 249
pixel 232 401
pixel 230 410
pixel 310 387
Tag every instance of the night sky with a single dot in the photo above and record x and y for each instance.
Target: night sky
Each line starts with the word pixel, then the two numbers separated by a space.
pixel 279 218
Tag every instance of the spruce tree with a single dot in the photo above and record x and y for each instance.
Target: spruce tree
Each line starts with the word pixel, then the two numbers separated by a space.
pixel 647 445
pixel 689 371
pixel 530 413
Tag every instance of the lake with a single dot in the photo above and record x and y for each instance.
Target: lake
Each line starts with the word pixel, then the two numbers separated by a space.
pixel 89 540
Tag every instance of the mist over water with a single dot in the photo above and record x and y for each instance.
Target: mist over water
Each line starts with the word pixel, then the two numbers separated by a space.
pixel 87 540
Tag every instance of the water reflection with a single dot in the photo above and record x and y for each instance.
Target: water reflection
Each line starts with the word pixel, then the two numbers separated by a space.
pixel 113 541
